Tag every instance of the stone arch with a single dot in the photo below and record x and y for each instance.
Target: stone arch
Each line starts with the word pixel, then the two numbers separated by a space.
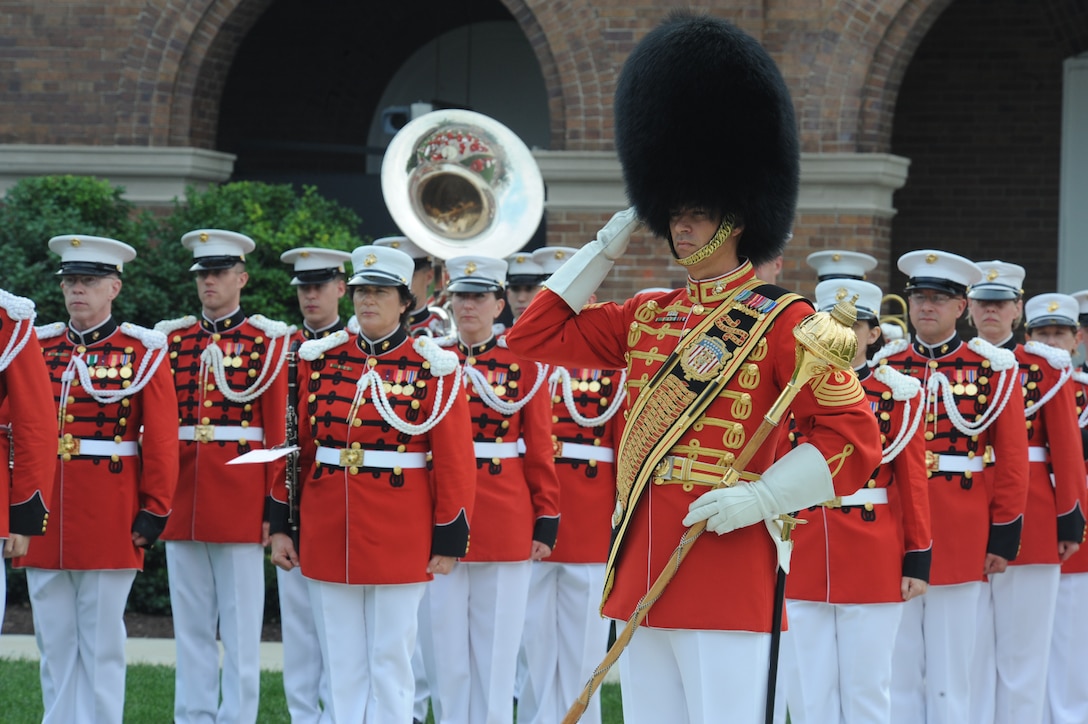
pixel 859 60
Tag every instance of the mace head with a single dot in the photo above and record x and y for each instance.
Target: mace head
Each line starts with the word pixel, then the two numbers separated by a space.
pixel 830 335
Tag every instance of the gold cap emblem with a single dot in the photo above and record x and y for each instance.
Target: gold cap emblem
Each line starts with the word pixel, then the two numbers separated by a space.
pixel 931 258
pixel 836 257
pixel 76 242
pixel 395 245
pixel 840 294
pixel 520 259
pixel 305 254
pixel 560 255
pixel 1052 307
pixel 203 236
pixel 991 275
pixel 470 268
pixel 370 260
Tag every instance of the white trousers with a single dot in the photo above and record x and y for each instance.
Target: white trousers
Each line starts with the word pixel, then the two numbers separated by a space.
pixel 1067 674
pixel 838 661
pixel 698 677
pixel 80 629
pixel 564 640
pixel 3 587
pixel 305 684
pixel 422 702
pixel 216 584
pixel 934 650
pixel 367 637
pixel 1014 651
pixel 471 633
pixel 984 670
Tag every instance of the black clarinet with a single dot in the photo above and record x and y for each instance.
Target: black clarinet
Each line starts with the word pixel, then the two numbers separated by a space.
pixel 294 491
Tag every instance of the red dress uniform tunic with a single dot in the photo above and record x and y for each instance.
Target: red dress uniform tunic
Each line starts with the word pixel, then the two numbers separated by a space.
pixel 1055 507
pixel 1078 562
pixel 517 496
pixel 726 582
pixel 25 395
pixel 973 513
pixel 367 519
pixel 117 464
pixel 585 458
pixel 216 504
pixel 859 553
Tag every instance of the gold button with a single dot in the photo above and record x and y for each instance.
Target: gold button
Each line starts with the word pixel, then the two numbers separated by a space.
pixel 986 363
pixel 173 355
pixel 247 407
pixel 258 339
pixel 126 384
pixel 885 395
pixel 401 448
pixel 984 380
pixel 356 423
pixel 254 355
pixel 1028 424
pixel 205 421
pixel 122 422
pixel 504 424
pixel 929 435
pixel 982 399
pixel 253 373
pixel 604 402
pixel 66 457
pixel 81 349
pixel 371 362
pixel 415 404
pixel 555 419
pixel 129 350
pixel 967 474
pixel 397 471
pixel 114 458
pixel 1034 368
pixel 557 399
pixel 125 402
pixel 242 441
pixel 353 470
pixel 885 416
pixel 216 337
pixel 177 338
pixel 69 418
pixel 471 360
pixel 933 364
pixel 514 367
pixel 597 441
pixel 355 446
pixel 930 417
pixel 1032 385
pixel 495 461
pixel 592 463
pixel 245 423
pixel 970 454
pixel 207 403
pixel 869 506
pixel 311 398
pixel 210 386
pixel 872 483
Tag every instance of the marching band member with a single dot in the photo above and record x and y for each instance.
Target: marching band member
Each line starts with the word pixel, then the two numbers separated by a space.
pixel 115 476
pixel 565 635
pixel 1065 327
pixel 861 555
pixel 977 512
pixel 473 618
pixel 1017 608
pixel 319 280
pixel 524 274
pixel 725 341
pixel 231 395
pixel 429 318
pixel 385 444
pixel 27 455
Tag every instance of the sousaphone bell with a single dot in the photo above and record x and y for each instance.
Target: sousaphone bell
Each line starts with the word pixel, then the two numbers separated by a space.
pixel 459 182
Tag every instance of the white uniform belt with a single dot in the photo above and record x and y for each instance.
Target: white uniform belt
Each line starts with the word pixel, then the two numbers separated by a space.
pixel 214 433
pixel 486 450
pixel 1038 454
pixel 872 496
pixel 953 463
pixel 579 451
pixel 354 457
pixel 99 448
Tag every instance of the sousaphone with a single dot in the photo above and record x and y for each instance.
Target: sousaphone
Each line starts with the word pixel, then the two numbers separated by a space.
pixel 459 182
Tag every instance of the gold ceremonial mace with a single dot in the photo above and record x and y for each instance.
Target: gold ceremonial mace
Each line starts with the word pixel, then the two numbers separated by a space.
pixel 825 342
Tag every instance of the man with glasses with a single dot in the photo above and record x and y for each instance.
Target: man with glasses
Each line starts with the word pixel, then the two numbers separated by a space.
pixel 115 476
pixel 231 399
pixel 977 510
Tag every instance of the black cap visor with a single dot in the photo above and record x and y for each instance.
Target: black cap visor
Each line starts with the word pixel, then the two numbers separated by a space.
pixel 936 284
pixel 315 276
pixel 992 292
pixel 472 285
pixel 372 278
pixel 1051 320
pixel 525 280
pixel 86 269
pixel 213 263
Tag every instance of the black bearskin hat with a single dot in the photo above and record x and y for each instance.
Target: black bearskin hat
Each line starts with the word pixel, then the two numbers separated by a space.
pixel 703 117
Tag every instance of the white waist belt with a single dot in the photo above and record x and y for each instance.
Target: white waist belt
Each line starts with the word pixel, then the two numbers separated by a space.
pixel 98 448
pixel 496 449
pixel 874 496
pixel 1037 454
pixel 959 464
pixel 579 451
pixel 215 433
pixel 354 457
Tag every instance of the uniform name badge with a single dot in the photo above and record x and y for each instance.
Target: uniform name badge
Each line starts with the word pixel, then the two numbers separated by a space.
pixel 705 359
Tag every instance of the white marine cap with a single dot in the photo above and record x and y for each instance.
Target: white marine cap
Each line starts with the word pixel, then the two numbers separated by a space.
pixel 832 291
pixel 403 243
pixel 380 266
pixel 1000 280
pixel 550 258
pixel 841 264
pixel 939 270
pixel 1082 301
pixel 1046 309
pixel 216 248
pixel 91 255
pixel 314 265
pixel 475 274
pixel 522 269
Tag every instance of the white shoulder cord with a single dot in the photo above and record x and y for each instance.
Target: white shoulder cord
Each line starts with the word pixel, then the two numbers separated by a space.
pixel 1082 377
pixel 562 376
pixel 374 381
pixel 1058 359
pixel 144 374
pixel 938 381
pixel 479 381
pixel 20 335
pixel 909 426
pixel 212 359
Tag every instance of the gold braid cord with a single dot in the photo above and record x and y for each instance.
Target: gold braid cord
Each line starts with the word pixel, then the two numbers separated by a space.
pixel 711 246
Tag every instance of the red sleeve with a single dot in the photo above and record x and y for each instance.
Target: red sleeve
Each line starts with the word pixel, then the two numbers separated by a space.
pixel 453 460
pixel 273 415
pixel 539 458
pixel 912 484
pixel 1009 474
pixel 159 448
pixel 1066 453
pixel 26 390
pixel 551 332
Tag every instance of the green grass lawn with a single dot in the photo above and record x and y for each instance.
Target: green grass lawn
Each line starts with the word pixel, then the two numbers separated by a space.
pixel 149 695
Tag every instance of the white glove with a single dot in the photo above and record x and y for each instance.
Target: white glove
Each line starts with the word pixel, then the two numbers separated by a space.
pixel 798 480
pixel 579 277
